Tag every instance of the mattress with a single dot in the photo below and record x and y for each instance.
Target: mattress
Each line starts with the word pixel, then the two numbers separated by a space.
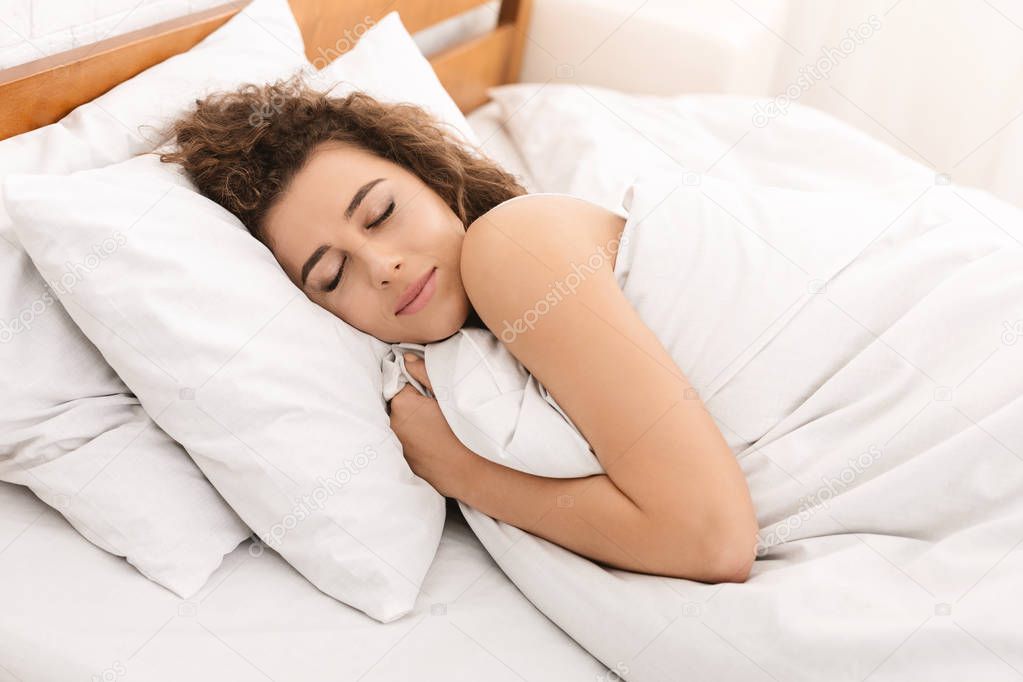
pixel 72 611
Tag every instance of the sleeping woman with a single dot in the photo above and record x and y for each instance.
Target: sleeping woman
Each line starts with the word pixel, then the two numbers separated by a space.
pixel 381 216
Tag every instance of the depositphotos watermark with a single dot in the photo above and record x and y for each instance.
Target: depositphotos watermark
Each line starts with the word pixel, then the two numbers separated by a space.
pixel 811 74
pixel 317 498
pixel 1012 331
pixel 74 272
pixel 312 70
pixel 563 288
pixel 818 499
pixel 113 672
pixel 343 44
pixel 616 674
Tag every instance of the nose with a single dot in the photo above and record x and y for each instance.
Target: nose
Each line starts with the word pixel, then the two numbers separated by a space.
pixel 383 263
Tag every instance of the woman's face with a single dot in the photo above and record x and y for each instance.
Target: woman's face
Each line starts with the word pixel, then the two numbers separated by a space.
pixel 354 231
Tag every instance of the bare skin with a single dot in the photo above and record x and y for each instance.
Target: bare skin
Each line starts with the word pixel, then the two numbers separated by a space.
pixel 673 500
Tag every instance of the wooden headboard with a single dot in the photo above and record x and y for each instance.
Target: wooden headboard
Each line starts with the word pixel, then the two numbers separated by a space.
pixel 43 91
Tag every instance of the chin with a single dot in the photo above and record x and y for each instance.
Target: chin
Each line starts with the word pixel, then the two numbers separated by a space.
pixel 438 333
pixel 436 325
pixel 442 327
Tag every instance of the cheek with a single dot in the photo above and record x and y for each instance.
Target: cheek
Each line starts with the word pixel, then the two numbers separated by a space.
pixel 449 238
pixel 337 306
pixel 360 306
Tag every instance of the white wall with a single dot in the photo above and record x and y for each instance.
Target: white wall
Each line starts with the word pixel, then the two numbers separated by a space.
pixel 31 29
pixel 940 80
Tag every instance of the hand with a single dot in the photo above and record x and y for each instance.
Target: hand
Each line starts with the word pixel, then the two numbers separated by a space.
pixel 430 446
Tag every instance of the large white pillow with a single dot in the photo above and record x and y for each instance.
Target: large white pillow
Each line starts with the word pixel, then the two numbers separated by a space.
pixel 279 402
pixel 69 428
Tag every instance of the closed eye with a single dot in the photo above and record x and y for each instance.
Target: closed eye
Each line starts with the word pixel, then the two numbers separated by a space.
pixel 383 216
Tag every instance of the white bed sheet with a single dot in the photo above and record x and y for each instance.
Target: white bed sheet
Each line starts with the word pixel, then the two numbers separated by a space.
pixel 69 610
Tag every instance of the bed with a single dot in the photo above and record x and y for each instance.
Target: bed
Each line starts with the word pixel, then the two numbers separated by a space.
pixel 72 611
pixel 497 603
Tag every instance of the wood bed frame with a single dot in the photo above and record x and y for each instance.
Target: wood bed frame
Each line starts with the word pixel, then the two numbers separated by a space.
pixel 43 91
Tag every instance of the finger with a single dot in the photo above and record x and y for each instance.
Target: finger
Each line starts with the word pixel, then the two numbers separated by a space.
pixel 404 393
pixel 417 368
pixel 403 401
pixel 405 404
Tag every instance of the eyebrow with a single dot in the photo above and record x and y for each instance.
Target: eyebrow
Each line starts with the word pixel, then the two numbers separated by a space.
pixel 313 260
pixel 359 196
pixel 352 207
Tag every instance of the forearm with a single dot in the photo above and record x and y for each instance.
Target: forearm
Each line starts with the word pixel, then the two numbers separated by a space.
pixel 591 517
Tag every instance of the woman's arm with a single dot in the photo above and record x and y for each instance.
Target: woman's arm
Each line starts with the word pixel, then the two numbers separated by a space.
pixel 590 515
pixel 674 495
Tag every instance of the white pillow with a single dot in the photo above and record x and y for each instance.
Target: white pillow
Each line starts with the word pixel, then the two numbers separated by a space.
pixel 369 547
pixel 69 428
pixel 278 401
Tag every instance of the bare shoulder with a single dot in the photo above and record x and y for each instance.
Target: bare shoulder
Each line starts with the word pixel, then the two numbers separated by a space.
pixel 527 256
pixel 540 274
pixel 551 229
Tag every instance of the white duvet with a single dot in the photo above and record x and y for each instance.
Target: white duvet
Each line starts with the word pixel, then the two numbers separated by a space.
pixel 860 350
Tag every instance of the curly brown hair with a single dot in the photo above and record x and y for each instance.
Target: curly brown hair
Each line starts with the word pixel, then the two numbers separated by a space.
pixel 241 148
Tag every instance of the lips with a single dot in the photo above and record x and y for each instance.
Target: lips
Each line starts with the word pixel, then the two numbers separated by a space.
pixel 412 291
